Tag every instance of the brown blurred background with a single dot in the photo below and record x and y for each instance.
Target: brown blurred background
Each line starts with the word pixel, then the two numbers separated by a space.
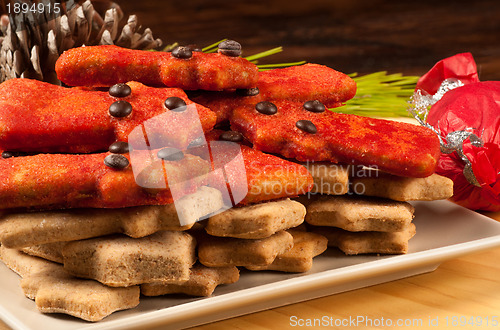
pixel 349 35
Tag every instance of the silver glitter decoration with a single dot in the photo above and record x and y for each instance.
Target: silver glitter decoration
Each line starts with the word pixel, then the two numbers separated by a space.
pixel 421 101
pixel 455 141
pixel 420 104
pixel 446 86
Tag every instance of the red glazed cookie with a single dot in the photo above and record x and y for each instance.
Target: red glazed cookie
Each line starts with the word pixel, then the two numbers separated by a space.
pixel 99 66
pixel 297 83
pixel 40 117
pixel 288 128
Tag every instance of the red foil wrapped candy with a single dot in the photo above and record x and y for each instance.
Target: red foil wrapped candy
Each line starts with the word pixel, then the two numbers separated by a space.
pixel 465 113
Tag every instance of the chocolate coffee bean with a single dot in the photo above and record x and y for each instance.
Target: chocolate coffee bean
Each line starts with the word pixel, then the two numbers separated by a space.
pixel 199 141
pixel 120 109
pixel 119 147
pixel 170 154
pixel 266 108
pixel 9 154
pixel 230 48
pixel 120 90
pixel 118 162
pixel 231 136
pixel 194 93
pixel 306 126
pixel 223 126
pixel 182 52
pixel 248 92
pixel 175 104
pixel 314 106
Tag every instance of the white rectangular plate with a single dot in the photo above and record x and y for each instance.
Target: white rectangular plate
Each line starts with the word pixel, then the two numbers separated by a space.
pixel 444 231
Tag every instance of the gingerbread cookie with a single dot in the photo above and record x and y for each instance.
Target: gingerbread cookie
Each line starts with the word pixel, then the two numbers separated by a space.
pixel 329 179
pixel 256 221
pixel 299 83
pixel 49 251
pixel 360 214
pixel 121 261
pixel 25 229
pixel 202 282
pixel 353 243
pixel 375 183
pixel 299 258
pixel 223 252
pixel 258 176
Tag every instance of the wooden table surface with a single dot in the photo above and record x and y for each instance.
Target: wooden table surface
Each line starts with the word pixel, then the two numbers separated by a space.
pixel 357 36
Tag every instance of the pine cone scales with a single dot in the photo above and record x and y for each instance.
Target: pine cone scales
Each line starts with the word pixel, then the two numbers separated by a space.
pixel 32 42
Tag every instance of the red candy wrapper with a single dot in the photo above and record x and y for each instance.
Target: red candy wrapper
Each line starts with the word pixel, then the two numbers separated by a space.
pixel 467 118
pixel 460 66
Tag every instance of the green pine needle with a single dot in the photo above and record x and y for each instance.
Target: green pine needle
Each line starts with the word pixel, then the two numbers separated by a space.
pixel 213 47
pixel 265 67
pixel 169 48
pixel 255 57
pixel 380 95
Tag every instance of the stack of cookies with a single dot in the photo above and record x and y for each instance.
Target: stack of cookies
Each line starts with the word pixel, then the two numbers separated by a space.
pixel 122 186
pixel 362 210
pixel 90 262
pixel 260 237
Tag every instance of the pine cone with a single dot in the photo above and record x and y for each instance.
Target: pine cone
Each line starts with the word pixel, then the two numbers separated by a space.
pixel 32 42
